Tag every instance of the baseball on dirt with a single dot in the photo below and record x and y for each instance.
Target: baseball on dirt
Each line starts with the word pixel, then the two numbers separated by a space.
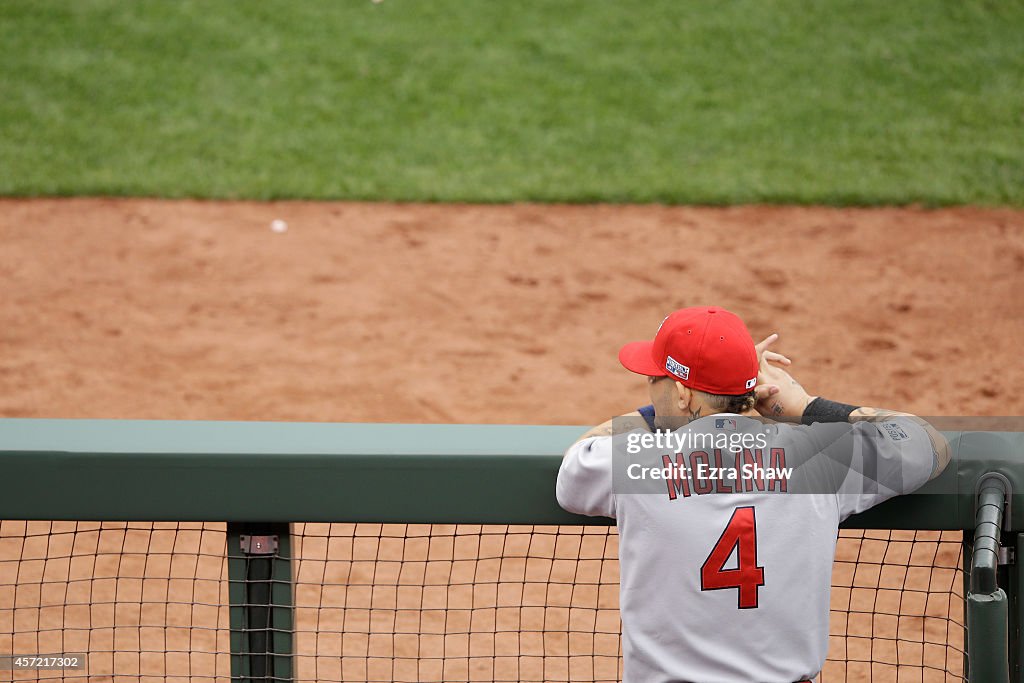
pixel 278 225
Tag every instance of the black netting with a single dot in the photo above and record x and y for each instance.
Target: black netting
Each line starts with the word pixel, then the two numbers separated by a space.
pixel 398 602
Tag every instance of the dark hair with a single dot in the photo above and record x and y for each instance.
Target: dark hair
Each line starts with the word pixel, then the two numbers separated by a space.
pixel 729 403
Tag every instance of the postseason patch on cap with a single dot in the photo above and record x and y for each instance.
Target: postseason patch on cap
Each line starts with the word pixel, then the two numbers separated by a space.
pixel 676 368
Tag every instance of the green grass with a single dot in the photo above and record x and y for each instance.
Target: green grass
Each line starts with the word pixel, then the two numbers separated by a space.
pixel 839 102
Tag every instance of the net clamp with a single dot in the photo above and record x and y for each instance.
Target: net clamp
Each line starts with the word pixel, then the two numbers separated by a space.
pixel 258 545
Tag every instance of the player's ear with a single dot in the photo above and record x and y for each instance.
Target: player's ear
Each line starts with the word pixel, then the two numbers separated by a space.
pixel 685 396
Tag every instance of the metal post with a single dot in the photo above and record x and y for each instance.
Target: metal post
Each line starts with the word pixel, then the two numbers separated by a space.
pixel 1016 590
pixel 967 546
pixel 987 604
pixel 260 591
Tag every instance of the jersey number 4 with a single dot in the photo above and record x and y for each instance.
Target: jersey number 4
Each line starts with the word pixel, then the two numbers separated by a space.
pixel 740 534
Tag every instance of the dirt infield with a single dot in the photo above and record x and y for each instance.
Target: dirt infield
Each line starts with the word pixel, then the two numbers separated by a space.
pixel 505 314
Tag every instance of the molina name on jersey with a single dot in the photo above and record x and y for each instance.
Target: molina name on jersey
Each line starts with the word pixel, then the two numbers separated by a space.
pixel 700 473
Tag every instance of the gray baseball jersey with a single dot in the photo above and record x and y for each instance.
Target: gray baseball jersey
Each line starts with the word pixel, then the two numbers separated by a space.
pixel 726 577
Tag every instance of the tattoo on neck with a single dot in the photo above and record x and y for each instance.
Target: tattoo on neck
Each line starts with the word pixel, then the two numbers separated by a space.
pixel 694 414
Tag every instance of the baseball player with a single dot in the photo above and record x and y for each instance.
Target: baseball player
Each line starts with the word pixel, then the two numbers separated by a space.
pixel 725 577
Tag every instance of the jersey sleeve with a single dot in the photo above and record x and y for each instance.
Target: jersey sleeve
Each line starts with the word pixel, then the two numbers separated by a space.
pixel 584 484
pixel 887 458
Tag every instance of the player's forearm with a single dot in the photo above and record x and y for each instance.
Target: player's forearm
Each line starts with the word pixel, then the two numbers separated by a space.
pixel 823 410
pixel 819 409
pixel 792 402
pixel 607 428
pixel 940 445
pixel 603 429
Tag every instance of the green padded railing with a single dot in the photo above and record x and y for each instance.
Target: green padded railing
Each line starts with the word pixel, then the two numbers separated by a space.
pixel 240 471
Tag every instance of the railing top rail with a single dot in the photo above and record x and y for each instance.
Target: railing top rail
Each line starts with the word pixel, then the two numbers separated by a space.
pixel 412 473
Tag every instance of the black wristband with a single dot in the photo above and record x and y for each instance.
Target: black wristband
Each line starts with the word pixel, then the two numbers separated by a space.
pixel 824 410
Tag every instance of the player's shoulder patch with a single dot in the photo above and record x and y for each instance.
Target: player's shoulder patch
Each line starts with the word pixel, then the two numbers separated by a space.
pixel 895 431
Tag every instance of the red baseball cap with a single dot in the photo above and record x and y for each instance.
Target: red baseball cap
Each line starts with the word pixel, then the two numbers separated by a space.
pixel 704 347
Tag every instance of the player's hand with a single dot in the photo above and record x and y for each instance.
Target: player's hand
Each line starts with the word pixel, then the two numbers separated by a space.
pixel 778 393
pixel 790 399
pixel 763 391
pixel 763 354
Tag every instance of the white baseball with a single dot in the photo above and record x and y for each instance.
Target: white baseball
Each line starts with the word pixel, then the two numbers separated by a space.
pixel 278 225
